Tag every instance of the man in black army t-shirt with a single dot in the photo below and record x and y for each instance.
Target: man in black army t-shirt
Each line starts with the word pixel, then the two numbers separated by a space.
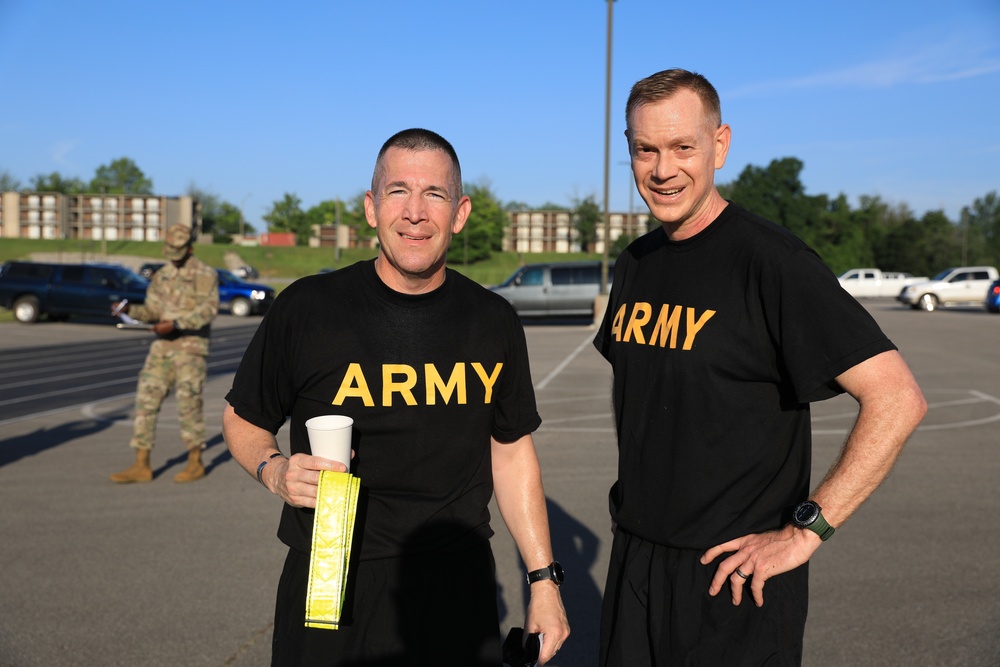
pixel 720 329
pixel 433 369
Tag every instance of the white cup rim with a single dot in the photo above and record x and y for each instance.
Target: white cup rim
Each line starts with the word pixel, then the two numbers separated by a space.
pixel 329 422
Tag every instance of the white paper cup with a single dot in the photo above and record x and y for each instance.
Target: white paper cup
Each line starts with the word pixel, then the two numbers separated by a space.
pixel 330 437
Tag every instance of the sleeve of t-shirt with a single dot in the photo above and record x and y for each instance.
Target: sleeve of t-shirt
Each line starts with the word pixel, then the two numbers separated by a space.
pixel 821 330
pixel 262 393
pixel 602 340
pixel 515 414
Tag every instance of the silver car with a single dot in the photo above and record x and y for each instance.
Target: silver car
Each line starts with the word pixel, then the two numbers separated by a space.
pixel 955 286
pixel 554 288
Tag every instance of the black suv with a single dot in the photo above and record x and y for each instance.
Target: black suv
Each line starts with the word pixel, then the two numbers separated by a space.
pixel 32 289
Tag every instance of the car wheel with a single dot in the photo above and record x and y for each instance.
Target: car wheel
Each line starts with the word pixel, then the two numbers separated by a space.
pixel 27 309
pixel 240 307
pixel 928 303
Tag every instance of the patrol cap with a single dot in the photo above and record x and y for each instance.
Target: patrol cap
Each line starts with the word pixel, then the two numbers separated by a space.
pixel 176 242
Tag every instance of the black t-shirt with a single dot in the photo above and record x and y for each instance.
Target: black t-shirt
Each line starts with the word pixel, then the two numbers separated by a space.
pixel 718 343
pixel 428 379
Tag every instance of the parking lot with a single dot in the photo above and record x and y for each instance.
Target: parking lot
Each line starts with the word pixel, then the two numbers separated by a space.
pixel 167 574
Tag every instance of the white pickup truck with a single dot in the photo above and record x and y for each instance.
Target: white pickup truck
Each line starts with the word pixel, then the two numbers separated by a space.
pixel 951 287
pixel 873 282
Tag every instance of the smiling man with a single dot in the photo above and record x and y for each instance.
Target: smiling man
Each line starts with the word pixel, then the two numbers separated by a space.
pixel 415 206
pixel 720 329
pixel 433 369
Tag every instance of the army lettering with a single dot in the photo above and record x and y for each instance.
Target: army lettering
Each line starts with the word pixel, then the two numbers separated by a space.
pixel 663 331
pixel 400 380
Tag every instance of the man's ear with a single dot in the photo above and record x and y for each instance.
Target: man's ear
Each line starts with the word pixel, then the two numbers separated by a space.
pixel 461 215
pixel 722 138
pixel 370 209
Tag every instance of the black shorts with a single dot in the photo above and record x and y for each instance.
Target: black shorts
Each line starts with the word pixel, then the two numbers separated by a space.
pixel 413 610
pixel 657 611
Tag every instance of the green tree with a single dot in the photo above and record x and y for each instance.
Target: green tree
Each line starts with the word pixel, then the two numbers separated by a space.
pixel 228 222
pixel 924 246
pixel 354 216
pixel 981 230
pixel 350 214
pixel 889 227
pixel 618 247
pixel 777 193
pixel 838 237
pixel 7 182
pixel 56 182
pixel 219 218
pixel 483 232
pixel 122 176
pixel 587 216
pixel 324 213
pixel 286 215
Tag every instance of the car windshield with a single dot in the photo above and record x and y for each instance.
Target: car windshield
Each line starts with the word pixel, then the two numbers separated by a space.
pixel 130 277
pixel 512 280
pixel 228 276
pixel 942 275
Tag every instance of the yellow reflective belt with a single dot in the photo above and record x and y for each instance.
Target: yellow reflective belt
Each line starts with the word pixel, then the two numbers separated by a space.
pixel 333 530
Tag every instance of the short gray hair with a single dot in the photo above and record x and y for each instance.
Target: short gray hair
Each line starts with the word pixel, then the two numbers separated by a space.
pixel 418 139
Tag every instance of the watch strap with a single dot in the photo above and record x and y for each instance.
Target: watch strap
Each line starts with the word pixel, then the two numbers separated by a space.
pixel 553 572
pixel 817 523
pixel 821 527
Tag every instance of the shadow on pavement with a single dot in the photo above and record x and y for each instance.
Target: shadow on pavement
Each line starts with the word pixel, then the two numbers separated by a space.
pixel 575 546
pixel 181 459
pixel 19 447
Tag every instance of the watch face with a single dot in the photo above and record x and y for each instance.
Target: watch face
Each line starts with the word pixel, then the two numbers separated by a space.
pixel 806 513
pixel 557 571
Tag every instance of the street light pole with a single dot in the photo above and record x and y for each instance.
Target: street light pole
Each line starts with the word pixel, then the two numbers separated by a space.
pixel 607 156
pixel 242 202
pixel 631 190
pixel 336 233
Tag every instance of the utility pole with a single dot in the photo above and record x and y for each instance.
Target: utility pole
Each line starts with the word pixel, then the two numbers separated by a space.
pixel 607 156
pixel 336 232
pixel 242 202
pixel 104 233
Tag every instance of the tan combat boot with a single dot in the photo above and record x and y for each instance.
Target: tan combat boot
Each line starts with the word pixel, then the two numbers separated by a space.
pixel 194 469
pixel 140 471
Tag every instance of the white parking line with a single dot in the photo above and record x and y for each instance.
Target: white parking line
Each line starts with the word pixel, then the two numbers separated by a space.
pixel 978 397
pixel 68 408
pixel 564 363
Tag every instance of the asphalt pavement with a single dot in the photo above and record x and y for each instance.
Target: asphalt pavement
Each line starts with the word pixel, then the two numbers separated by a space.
pixel 155 574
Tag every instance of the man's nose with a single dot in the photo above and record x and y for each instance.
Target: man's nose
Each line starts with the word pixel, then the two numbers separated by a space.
pixel 665 168
pixel 414 210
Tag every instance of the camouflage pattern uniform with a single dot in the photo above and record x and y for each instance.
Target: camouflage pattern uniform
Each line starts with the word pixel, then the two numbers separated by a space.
pixel 190 297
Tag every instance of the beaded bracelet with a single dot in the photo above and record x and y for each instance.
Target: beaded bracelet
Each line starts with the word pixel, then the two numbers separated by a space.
pixel 263 463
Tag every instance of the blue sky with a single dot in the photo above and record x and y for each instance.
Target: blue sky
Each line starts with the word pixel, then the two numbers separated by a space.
pixel 250 100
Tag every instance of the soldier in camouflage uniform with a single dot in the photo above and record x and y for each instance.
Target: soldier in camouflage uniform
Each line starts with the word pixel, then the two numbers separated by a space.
pixel 181 302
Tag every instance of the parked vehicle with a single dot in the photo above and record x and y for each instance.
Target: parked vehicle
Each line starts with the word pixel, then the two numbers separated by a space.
pixel 863 283
pixel 243 298
pixel 993 297
pixel 34 289
pixel 239 297
pixel 148 269
pixel 954 286
pixel 244 272
pixel 554 289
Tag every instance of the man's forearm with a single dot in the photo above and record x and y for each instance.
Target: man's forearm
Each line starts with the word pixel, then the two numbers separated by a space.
pixel 517 483
pixel 250 445
pixel 206 311
pixel 891 407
